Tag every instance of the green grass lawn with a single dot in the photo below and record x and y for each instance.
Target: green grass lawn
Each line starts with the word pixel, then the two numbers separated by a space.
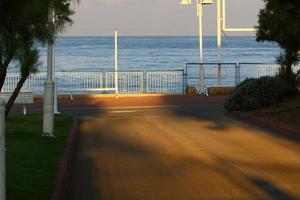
pixel 32 160
pixel 285 113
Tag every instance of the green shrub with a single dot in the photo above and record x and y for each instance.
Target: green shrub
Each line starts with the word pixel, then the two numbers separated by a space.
pixel 191 91
pixel 298 78
pixel 252 94
pixel 287 76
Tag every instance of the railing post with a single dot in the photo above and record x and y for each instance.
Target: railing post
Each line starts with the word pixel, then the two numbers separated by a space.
pixel 2 151
pixel 145 82
pixel 116 65
pixel 104 80
pixel 142 81
pixel 237 73
pixel 219 74
pixel 183 81
pixel 186 77
pixel 202 79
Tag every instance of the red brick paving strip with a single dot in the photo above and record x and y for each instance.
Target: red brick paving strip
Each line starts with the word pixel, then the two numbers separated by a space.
pixel 106 102
pixel 62 176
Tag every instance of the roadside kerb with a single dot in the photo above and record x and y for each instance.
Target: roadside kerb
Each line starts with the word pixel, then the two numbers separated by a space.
pixel 264 123
pixel 62 176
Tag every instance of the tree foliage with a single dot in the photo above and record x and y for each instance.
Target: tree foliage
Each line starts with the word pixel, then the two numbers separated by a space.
pixel 23 24
pixel 279 22
pixel 29 61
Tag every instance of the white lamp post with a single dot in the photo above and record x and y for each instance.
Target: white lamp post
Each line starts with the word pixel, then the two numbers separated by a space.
pixel 116 65
pixel 200 4
pixel 219 41
pixel 48 119
pixel 2 151
pixel 55 86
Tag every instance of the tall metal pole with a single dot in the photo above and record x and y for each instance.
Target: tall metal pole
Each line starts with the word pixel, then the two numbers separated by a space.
pixel 55 88
pixel 48 118
pixel 116 65
pixel 219 41
pixel 2 151
pixel 201 67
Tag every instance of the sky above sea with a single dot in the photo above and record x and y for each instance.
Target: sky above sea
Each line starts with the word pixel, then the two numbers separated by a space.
pixel 156 17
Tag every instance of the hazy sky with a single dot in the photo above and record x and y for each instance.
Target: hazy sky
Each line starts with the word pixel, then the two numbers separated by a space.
pixel 156 17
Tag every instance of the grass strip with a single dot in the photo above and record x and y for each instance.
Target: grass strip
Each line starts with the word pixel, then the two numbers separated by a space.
pixel 32 160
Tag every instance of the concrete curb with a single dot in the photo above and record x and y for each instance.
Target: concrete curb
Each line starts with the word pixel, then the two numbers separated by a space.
pixel 264 123
pixel 62 176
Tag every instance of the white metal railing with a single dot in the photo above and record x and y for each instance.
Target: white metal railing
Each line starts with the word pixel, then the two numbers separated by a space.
pixel 165 82
pixel 253 70
pixel 129 82
pixel 168 81
pixel 102 82
pixel 229 73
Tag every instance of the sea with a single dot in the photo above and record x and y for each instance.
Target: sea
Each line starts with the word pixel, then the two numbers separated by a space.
pixel 152 53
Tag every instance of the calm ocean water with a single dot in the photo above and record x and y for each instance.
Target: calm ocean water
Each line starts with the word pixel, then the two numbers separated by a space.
pixel 97 53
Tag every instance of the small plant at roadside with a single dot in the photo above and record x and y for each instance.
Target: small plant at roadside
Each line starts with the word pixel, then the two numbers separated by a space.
pixel 191 91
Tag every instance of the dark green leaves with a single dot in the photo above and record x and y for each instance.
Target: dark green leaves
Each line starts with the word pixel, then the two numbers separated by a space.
pixel 279 22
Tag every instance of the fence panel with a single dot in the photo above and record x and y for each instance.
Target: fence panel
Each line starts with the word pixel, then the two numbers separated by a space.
pixel 250 70
pixel 214 74
pixel 165 82
pixel 34 83
pixel 102 82
pixel 257 70
pixel 10 82
pixel 131 82
pixel 79 82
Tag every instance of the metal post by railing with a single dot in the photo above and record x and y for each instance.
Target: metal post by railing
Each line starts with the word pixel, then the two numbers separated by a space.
pixel 219 41
pixel 184 83
pixel 202 79
pixel 237 74
pixel 146 82
pixel 186 77
pixel 2 151
pixel 116 65
pixel 219 74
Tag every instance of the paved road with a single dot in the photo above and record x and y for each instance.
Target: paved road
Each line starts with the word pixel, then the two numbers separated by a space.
pixel 181 153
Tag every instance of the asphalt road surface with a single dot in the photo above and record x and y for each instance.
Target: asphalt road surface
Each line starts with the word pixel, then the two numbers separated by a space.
pixel 180 153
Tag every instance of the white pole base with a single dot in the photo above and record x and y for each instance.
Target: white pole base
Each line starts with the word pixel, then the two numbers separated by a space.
pixel 48 118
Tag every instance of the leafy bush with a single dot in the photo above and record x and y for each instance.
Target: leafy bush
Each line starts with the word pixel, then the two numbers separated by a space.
pixel 287 76
pixel 257 93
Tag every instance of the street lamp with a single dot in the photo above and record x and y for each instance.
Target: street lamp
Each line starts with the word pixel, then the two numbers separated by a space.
pixel 200 4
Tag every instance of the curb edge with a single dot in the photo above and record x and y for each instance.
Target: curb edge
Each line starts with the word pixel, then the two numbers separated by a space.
pixel 62 175
pixel 264 123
